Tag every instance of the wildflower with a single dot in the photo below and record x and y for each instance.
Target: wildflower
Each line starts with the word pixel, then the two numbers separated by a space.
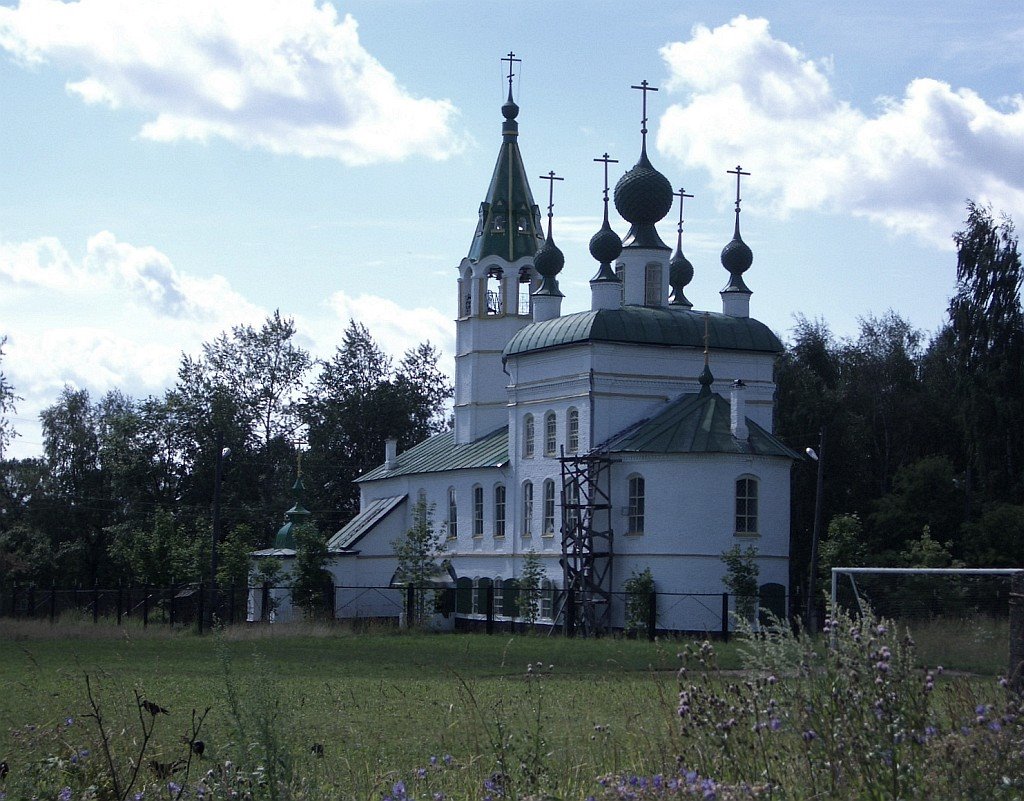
pixel 1003 682
pixel 447 759
pixel 881 629
pixel 930 731
pixel 433 760
pixel 64 794
pixel 174 787
pixel 69 721
pixel 775 724
pixel 809 735
pixel 421 773
pixel 439 796
pixel 995 725
pixel 398 791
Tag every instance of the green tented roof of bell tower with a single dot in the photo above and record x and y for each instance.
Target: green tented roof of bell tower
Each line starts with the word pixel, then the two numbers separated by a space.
pixel 509 226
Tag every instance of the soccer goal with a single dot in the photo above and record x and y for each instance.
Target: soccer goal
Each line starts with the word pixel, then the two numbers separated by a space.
pixel 954 614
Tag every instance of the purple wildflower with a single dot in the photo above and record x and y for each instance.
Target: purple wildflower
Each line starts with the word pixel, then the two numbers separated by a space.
pixel 174 787
pixel 809 735
pixel 775 724
pixel 64 794
pixel 398 791
pixel 421 773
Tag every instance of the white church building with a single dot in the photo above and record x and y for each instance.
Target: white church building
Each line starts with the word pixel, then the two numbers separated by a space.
pixel 637 434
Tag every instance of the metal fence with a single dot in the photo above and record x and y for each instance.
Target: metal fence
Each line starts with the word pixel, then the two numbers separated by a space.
pixel 483 608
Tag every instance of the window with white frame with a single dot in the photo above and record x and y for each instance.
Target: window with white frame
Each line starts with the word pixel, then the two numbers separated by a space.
pixel 452 521
pixel 636 504
pixel 746 505
pixel 547 599
pixel 572 505
pixel 528 436
pixel 572 431
pixel 499 595
pixel 550 434
pixel 499 510
pixel 548 526
pixel 527 509
pixel 478 511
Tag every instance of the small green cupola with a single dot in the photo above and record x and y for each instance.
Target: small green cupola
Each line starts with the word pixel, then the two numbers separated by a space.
pixel 294 517
pixel 510 224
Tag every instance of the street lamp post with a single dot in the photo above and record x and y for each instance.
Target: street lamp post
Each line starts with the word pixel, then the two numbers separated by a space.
pixel 812 607
pixel 222 454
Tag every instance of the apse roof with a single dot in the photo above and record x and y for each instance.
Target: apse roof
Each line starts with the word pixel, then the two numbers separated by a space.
pixel 695 423
pixel 644 325
pixel 375 511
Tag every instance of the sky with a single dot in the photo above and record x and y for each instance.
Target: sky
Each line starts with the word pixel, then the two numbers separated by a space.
pixel 171 170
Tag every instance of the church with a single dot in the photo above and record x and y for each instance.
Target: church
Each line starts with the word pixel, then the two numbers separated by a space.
pixel 635 435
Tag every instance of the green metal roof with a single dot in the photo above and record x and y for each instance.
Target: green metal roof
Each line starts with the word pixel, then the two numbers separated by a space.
pixel 362 523
pixel 510 225
pixel 695 423
pixel 441 453
pixel 643 325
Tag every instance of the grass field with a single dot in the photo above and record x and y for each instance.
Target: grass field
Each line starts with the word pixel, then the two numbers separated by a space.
pixel 556 713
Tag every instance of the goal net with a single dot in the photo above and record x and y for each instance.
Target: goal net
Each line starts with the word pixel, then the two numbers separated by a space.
pixel 916 593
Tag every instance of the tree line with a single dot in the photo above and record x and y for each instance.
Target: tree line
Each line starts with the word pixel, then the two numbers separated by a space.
pixel 923 439
pixel 123 491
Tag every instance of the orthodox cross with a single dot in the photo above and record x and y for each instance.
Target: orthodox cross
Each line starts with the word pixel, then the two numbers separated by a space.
pixel 551 193
pixel 645 88
pixel 512 60
pixel 737 172
pixel 606 161
pixel 681 194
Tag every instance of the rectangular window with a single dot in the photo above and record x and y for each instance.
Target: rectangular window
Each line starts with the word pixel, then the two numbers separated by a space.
pixel 499 510
pixel 550 434
pixel 527 509
pixel 528 436
pixel 652 285
pixel 549 508
pixel 453 515
pixel 478 511
pixel 746 506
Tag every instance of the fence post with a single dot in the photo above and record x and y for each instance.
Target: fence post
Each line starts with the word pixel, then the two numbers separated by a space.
pixel 172 607
pixel 410 604
pixel 120 600
pixel 652 616
pixel 53 603
pixel 128 602
pixel 334 601
pixel 200 612
pixel 265 602
pixel 1016 674
pixel 95 603
pixel 570 612
pixel 145 606
pixel 725 617
pixel 14 600
pixel 231 605
pixel 490 609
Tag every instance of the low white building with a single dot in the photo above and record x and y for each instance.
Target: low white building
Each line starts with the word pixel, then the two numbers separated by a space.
pixel 635 435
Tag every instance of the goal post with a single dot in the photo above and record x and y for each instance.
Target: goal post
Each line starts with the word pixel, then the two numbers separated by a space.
pixel 968 599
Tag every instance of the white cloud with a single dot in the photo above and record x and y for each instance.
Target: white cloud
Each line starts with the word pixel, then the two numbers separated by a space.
pixel 909 164
pixel 287 76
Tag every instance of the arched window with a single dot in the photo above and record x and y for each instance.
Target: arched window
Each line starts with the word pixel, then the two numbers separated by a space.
pixel 499 596
pixel 464 595
pixel 528 435
pixel 572 431
pixel 478 511
pixel 746 505
pixel 636 505
pixel 548 525
pixel 452 521
pixel 572 505
pixel 510 598
pixel 482 586
pixel 527 509
pixel 550 434
pixel 499 510
pixel 652 285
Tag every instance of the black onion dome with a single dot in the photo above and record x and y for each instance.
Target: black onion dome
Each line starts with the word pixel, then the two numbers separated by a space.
pixel 549 260
pixel 605 245
pixel 510 110
pixel 643 196
pixel 736 256
pixel 680 271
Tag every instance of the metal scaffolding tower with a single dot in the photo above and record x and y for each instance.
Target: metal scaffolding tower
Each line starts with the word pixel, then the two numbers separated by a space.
pixel 586 544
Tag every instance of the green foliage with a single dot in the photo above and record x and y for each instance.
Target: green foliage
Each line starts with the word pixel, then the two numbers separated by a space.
pixel 233 556
pixel 310 578
pixel 8 405
pixel 741 573
pixel 996 538
pixel 530 587
pixel 418 555
pixel 928 552
pixel 843 546
pixel 924 493
pixel 639 587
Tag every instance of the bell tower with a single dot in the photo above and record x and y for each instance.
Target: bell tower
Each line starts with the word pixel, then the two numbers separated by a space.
pixel 495 284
